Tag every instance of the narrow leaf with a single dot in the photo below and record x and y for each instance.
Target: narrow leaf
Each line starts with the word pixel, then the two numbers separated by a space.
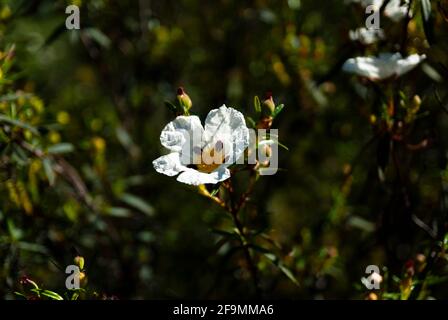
pixel 138 203
pixel 277 110
pixel 51 294
pixel 60 148
pixel 18 123
pixel 257 104
pixel 49 171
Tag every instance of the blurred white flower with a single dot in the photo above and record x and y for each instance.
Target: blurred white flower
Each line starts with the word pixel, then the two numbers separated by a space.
pixel 374 278
pixel 201 155
pixel 366 36
pixel 366 3
pixel 385 66
pixel 395 9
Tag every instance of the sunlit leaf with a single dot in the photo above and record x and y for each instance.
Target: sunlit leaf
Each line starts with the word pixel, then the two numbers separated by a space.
pixel 257 104
pixel 51 294
pixel 137 203
pixel 48 168
pixel 60 148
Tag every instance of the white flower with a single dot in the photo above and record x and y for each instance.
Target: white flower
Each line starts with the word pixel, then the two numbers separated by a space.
pixel 382 67
pixel 201 155
pixel 365 3
pixel 394 10
pixel 366 36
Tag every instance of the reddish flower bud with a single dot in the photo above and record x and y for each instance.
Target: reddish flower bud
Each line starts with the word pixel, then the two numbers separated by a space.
pixel 184 99
pixel 268 103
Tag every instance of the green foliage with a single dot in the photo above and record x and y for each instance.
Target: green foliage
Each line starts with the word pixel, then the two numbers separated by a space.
pixel 363 175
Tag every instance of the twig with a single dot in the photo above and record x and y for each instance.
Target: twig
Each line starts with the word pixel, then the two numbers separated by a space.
pixel 234 210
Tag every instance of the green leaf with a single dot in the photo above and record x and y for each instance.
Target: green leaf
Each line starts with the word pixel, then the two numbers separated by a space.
pixel 226 234
pixel 426 9
pixel 51 176
pixel 257 104
pixel 124 138
pixel 33 247
pixel 289 274
pixel 261 250
pixel 19 155
pixel 61 148
pixel 20 294
pixel 251 122
pixel 118 212
pixel 98 36
pixel 361 223
pixel 431 72
pixel 18 123
pixel 214 192
pixel 271 257
pixel 14 96
pixel 14 232
pixel 282 145
pixel 51 294
pixel 171 106
pixel 277 110
pixel 391 296
pixel 286 271
pixel 137 203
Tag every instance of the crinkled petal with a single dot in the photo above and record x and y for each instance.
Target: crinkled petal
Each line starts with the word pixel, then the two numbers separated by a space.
pixel 382 67
pixel 227 125
pixel 194 177
pixel 169 164
pixel 179 131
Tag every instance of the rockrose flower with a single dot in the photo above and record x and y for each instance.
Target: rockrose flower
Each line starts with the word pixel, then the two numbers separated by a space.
pixel 385 66
pixel 202 155
pixel 366 36
pixel 396 10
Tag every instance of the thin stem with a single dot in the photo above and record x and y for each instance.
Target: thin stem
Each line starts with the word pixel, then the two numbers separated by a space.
pixel 234 210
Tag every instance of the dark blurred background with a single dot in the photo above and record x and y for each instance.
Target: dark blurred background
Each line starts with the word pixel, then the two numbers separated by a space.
pixel 144 235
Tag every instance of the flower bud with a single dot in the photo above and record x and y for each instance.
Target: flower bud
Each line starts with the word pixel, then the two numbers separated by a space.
pixel 268 103
pixel 266 150
pixel 79 261
pixel 372 296
pixel 83 279
pixel 409 268
pixel 416 101
pixel 420 262
pixel 265 123
pixel 25 280
pixel 184 99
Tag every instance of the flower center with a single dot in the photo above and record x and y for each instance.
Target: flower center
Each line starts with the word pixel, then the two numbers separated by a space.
pixel 209 158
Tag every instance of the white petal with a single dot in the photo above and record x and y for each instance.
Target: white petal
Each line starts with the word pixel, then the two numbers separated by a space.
pixel 266 142
pixel 194 177
pixel 369 67
pixel 229 126
pixel 382 67
pixel 365 3
pixel 169 165
pixel 366 36
pixel 406 65
pixel 179 131
pixel 395 11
